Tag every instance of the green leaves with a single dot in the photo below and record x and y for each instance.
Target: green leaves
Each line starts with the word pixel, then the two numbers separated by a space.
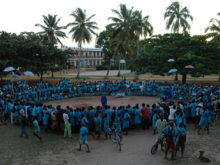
pixel 29 51
pixel 177 18
pixel 184 49
pixel 82 28
pixel 51 30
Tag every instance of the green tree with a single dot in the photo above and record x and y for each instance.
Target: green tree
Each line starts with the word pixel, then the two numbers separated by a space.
pixel 122 31
pixel 141 26
pixel 82 29
pixel 52 32
pixel 214 29
pixel 184 49
pixel 177 18
pixel 51 29
pixel 213 32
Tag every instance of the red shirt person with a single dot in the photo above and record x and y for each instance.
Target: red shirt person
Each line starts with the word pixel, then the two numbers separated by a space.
pixel 145 117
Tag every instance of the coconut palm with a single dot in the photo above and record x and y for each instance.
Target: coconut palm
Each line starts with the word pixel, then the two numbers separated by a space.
pixel 141 26
pixel 177 17
pixel 82 29
pixel 51 29
pixel 121 27
pixel 214 29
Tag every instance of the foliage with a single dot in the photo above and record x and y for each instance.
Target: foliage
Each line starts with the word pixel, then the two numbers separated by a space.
pixel 184 49
pixel 177 18
pixel 82 29
pixel 29 51
pixel 51 30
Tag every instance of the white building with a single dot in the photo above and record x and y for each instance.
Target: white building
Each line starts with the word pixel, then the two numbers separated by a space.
pixel 89 57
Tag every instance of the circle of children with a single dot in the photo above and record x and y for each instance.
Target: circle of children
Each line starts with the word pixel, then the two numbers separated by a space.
pixel 23 104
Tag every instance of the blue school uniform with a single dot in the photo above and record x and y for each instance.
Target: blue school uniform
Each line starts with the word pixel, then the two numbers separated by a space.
pixel 71 115
pixel 36 126
pixel 85 121
pixel 137 119
pixel 45 118
pixel 83 133
pixel 106 126
pixel 154 121
pixel 180 130
pixel 98 123
pixel 204 119
pixel 126 120
pixel 117 124
pixel 173 133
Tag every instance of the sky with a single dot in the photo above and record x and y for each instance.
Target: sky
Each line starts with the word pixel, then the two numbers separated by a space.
pixel 21 15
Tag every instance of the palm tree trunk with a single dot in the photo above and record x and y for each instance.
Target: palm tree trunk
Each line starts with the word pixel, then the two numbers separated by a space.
pixel 184 78
pixel 176 77
pixel 52 75
pixel 79 60
pixel 119 67
pixel 110 65
pixel 219 76
pixel 41 75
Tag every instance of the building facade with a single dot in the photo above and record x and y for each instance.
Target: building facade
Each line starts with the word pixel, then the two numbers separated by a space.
pixel 89 57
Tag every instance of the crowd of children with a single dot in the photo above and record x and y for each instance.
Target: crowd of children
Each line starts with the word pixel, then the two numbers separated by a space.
pixel 195 103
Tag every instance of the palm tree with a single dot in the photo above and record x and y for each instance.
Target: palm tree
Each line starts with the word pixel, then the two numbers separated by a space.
pixel 51 29
pixel 141 26
pixel 177 18
pixel 52 32
pixel 121 27
pixel 214 29
pixel 82 30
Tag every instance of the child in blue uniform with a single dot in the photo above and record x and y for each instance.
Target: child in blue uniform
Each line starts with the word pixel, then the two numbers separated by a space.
pixel 36 129
pixel 98 124
pixel 106 126
pixel 154 119
pixel 83 137
pixel 204 120
pixel 126 119
pixel 181 139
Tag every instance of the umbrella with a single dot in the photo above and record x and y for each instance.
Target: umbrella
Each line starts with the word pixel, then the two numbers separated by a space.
pixel 171 60
pixel 28 73
pixel 9 69
pixel 14 76
pixel 189 67
pixel 172 71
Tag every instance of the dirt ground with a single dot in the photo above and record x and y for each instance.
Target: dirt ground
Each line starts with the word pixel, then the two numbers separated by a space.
pixel 55 150
pixel 112 101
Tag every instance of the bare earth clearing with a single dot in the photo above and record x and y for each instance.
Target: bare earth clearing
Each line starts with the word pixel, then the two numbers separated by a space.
pixel 112 101
pixel 55 150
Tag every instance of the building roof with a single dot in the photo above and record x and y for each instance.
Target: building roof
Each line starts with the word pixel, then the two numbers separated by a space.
pixel 83 48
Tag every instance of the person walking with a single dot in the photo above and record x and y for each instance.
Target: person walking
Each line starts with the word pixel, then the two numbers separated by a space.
pixel 67 129
pixel 23 124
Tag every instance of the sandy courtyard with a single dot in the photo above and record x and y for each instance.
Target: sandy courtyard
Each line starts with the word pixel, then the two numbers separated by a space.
pixel 112 101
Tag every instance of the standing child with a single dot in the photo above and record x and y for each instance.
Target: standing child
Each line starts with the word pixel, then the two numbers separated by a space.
pixel 98 124
pixel 106 126
pixel 36 129
pixel 181 139
pixel 126 122
pixel 67 129
pixel 83 137
pixel 154 121
pixel 23 124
